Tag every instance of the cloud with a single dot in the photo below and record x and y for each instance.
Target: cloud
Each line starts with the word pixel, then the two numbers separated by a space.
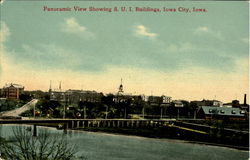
pixel 1 1
pixel 55 56
pixel 203 30
pixel 52 56
pixel 4 32
pixel 72 26
pixel 143 31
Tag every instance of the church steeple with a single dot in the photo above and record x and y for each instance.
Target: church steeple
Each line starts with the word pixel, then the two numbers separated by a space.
pixel 120 90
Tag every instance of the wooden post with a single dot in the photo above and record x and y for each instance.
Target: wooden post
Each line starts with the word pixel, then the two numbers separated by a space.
pixel 178 113
pixel 65 128
pixel 34 130
pixel 77 124
pixel 137 124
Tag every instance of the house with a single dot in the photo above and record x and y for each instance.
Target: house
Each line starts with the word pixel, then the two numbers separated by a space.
pixel 12 91
pixel 225 113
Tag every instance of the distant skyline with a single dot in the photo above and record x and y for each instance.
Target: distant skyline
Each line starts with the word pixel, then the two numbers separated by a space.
pixel 183 55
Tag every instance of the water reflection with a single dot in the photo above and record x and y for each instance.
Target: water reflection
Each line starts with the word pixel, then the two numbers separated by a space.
pixel 102 146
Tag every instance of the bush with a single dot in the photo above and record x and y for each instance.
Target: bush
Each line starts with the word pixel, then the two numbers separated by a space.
pixel 24 146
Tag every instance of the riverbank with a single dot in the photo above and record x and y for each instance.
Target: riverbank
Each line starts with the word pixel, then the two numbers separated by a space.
pixel 112 146
pixel 161 133
pixel 215 137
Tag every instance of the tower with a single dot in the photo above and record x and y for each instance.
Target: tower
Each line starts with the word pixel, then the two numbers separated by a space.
pixel 50 87
pixel 120 90
pixel 245 99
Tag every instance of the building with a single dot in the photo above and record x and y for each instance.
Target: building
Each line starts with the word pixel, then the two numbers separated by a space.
pixel 217 103
pixel 159 100
pixel 75 96
pixel 177 103
pixel 57 96
pixel 12 91
pixel 204 102
pixel 237 104
pixel 225 113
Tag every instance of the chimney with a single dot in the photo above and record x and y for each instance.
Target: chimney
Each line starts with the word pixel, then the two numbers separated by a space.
pixel 245 99
pixel 60 86
pixel 50 86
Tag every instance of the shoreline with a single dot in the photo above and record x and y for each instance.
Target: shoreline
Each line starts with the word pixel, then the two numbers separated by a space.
pixel 241 148
pixel 245 149
pixel 132 132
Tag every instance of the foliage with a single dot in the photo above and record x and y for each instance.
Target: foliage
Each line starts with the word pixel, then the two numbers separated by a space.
pixel 6 104
pixel 25 97
pixel 24 146
pixel 28 113
pixel 45 106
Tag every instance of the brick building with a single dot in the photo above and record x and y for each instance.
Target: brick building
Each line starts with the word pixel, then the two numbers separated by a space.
pixel 12 91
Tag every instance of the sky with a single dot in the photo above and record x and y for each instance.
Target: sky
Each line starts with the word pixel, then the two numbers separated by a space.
pixel 192 56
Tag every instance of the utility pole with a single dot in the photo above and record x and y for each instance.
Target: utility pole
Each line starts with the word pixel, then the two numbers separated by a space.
pixel 106 117
pixel 65 103
pixel 64 110
pixel 84 112
pixel 194 114
pixel 178 113
pixel 125 114
pixel 161 112
pixel 143 112
pixel 34 111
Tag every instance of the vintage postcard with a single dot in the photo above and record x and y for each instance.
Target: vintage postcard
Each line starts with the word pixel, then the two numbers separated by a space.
pixel 110 80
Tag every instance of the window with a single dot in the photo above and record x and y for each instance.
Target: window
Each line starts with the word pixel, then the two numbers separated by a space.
pixel 233 112
pixel 222 111
pixel 242 112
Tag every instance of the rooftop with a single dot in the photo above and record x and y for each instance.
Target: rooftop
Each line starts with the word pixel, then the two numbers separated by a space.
pixel 209 110
pixel 13 85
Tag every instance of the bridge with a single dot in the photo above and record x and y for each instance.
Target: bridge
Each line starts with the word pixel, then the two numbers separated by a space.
pixel 65 124
pixel 82 123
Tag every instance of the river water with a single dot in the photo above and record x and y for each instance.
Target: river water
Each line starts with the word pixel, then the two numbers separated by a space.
pixel 103 146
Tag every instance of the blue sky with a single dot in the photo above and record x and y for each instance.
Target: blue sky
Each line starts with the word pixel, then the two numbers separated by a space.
pixel 94 44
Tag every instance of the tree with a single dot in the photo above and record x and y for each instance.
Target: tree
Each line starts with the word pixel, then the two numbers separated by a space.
pixel 45 106
pixel 25 97
pixel 24 146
